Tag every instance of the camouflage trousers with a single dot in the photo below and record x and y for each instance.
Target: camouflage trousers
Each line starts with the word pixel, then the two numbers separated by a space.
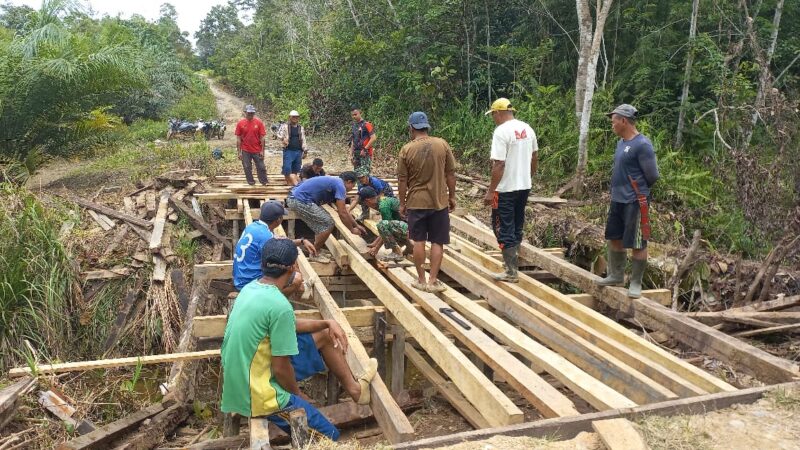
pixel 393 233
pixel 362 162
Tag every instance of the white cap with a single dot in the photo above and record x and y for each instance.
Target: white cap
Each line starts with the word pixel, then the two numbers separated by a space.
pixel 294 113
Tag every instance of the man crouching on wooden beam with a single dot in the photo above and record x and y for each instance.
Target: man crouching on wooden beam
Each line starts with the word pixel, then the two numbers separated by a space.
pixel 266 351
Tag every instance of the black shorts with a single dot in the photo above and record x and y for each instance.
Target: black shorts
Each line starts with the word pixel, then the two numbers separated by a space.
pixel 625 223
pixel 429 225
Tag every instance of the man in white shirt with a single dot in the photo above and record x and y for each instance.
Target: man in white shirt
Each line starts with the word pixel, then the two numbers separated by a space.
pixel 514 161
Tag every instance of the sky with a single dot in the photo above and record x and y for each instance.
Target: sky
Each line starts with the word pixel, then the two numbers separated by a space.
pixel 190 12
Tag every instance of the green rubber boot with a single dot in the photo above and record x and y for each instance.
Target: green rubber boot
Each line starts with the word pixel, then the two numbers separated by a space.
pixel 616 269
pixel 637 272
pixel 511 259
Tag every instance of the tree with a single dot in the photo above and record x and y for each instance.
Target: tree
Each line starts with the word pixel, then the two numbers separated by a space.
pixel 687 74
pixel 587 73
pixel 221 23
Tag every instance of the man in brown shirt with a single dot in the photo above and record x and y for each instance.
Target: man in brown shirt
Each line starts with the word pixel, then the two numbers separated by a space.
pixel 426 172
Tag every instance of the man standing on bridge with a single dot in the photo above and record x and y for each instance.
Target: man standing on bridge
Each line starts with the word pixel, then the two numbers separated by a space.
pixel 362 141
pixel 250 133
pixel 628 225
pixel 514 161
pixel 293 137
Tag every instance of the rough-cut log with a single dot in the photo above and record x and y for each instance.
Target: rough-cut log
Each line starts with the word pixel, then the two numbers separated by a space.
pixel 153 432
pixel 111 212
pixel 199 223
pixel 103 436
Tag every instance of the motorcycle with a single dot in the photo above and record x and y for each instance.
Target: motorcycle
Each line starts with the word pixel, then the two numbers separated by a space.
pixel 218 128
pixel 180 128
pixel 204 128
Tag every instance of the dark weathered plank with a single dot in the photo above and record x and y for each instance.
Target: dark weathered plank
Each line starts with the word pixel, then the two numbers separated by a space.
pixel 111 212
pixel 102 436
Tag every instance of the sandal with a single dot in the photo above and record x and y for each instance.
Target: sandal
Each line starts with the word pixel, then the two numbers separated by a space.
pixel 419 286
pixel 438 286
pixel 365 379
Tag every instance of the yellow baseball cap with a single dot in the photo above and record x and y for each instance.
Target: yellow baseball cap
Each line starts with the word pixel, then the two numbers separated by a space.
pixel 501 104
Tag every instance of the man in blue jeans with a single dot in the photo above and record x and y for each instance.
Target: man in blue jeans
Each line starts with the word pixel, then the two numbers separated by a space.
pixel 293 137
pixel 514 161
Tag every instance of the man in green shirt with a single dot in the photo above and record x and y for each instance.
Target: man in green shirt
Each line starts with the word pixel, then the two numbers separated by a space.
pixel 266 351
pixel 392 230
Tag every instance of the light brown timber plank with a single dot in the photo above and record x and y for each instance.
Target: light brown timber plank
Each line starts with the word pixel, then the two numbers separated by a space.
pixel 247 213
pixel 113 363
pixel 654 316
pixel 447 389
pixel 619 434
pixel 158 223
pixel 544 397
pixel 390 417
pixel 495 406
pixel 713 318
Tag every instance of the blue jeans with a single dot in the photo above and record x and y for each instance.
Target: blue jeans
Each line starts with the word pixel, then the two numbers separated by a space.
pixel 508 217
pixel 316 421
pixel 292 161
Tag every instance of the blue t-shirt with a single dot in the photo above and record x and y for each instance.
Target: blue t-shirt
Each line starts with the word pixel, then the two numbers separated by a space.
pixel 247 254
pixel 379 185
pixel 636 159
pixel 320 190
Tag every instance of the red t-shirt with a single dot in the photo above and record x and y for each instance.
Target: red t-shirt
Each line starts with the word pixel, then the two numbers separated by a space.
pixel 251 132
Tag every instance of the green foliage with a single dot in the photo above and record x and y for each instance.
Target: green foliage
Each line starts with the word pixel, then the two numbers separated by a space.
pixel 142 162
pixel 38 283
pixel 197 103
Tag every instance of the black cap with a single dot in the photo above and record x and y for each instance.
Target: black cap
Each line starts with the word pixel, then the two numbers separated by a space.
pixel 271 211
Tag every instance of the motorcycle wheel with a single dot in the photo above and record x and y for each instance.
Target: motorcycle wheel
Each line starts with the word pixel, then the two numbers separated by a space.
pixel 221 134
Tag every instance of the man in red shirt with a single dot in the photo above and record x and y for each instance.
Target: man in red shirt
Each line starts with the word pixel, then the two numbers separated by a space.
pixel 250 133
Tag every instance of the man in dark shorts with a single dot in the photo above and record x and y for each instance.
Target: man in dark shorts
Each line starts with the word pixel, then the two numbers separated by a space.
pixel 628 226
pixel 312 170
pixel 362 141
pixel 426 173
pixel 250 133
pixel 293 137
pixel 266 350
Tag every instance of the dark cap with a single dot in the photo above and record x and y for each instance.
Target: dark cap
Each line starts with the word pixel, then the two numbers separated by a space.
pixel 367 192
pixel 278 255
pixel 624 110
pixel 418 120
pixel 271 211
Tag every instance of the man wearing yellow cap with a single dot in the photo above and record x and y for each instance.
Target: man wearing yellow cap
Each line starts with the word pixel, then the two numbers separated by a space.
pixel 514 161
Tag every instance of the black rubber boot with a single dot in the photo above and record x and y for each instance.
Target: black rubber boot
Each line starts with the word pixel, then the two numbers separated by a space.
pixel 511 259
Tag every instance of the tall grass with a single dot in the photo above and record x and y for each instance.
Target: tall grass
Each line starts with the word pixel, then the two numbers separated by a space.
pixel 39 287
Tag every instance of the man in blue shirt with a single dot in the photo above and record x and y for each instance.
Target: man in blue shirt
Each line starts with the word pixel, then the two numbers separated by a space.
pixel 306 199
pixel 628 225
pixel 380 186
pixel 247 254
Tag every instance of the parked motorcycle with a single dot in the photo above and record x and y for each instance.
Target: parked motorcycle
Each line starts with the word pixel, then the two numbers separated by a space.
pixel 218 128
pixel 204 128
pixel 180 128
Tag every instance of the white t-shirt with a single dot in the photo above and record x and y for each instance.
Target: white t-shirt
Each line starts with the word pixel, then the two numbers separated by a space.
pixel 514 142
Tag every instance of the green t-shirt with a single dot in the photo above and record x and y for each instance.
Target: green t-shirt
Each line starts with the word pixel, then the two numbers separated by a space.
pixel 389 207
pixel 260 326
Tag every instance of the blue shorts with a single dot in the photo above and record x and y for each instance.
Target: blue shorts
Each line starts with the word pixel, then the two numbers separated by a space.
pixel 307 362
pixel 316 421
pixel 292 160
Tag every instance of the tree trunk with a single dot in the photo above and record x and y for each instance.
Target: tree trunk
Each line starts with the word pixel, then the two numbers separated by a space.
pixel 353 13
pixel 588 97
pixel 585 28
pixel 764 76
pixel 687 74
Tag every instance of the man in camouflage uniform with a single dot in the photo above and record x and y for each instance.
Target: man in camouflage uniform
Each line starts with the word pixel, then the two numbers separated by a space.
pixel 362 141
pixel 392 230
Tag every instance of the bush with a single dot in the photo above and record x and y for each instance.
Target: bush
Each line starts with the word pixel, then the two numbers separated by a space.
pixel 146 130
pixel 197 103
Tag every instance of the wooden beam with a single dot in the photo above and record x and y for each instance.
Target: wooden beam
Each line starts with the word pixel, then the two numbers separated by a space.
pixel 113 363
pixel 159 268
pixel 103 274
pixel 247 214
pixel 619 434
pixel 769 305
pixel 562 338
pixel 544 397
pixel 569 427
pixel 791 328
pixel 111 212
pixel 357 316
pixel 495 406
pixel 259 433
pixel 103 436
pixel 733 351
pixel 446 389
pixel 355 241
pixel 390 417
pixel 338 252
pixel 713 318
pixel 10 399
pixel 199 223
pixel 159 222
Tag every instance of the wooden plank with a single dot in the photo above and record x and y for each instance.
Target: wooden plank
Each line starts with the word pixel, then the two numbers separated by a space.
pixel 158 223
pixel 588 358
pixel 446 389
pixel 113 363
pixel 106 274
pixel 10 399
pixel 247 214
pixel 103 436
pixel 586 300
pixel 619 434
pixel 569 427
pixel 199 223
pixel 181 291
pixel 111 212
pixel 769 305
pixel 159 268
pixel 357 316
pixel 712 318
pixel 495 406
pixel 259 433
pixel 390 417
pixel 544 397
pixel 122 317
pixel 337 252
pixel 103 223
pixel 398 364
pixel 790 328
pixel 356 242
pixel 152 431
pixel 739 354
